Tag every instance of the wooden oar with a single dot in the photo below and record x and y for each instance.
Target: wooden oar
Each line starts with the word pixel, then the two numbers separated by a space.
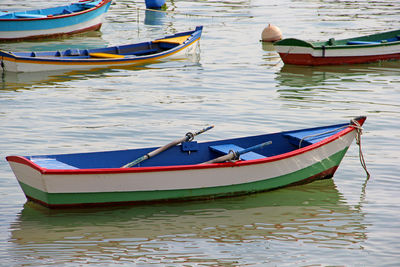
pixel 188 137
pixel 236 154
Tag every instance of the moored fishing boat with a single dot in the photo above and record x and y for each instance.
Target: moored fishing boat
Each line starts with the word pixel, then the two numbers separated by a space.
pixel 77 17
pixel 185 169
pixel 108 57
pixel 364 49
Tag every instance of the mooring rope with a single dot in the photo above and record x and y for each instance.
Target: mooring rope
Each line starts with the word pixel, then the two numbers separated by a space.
pixel 354 124
pixel 359 129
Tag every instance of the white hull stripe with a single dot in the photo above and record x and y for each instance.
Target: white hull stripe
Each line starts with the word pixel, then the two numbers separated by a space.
pixel 174 180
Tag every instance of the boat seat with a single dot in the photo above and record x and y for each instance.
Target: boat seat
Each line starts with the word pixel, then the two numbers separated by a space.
pixel 29 16
pixel 295 139
pixel 4 15
pixel 66 11
pixel 224 149
pixel 173 40
pixel 361 42
pixel 51 163
pixel 311 137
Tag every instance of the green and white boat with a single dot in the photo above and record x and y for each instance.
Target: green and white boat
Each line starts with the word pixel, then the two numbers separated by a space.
pixel 364 49
pixel 184 169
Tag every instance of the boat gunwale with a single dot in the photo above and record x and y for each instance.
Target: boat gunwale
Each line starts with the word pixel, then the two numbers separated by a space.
pixel 101 4
pixel 44 171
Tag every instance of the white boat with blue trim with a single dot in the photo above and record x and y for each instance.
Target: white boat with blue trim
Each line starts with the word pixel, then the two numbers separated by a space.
pixel 70 19
pixel 185 169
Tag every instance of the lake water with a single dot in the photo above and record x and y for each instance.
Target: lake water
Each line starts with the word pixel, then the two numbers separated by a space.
pixel 242 87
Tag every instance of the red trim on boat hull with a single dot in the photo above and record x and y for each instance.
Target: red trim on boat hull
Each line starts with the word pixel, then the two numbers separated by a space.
pixel 309 60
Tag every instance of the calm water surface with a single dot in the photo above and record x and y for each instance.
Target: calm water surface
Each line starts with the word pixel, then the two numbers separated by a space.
pixel 239 85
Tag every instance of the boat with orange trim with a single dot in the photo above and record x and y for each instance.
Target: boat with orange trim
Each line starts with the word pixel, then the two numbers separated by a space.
pixel 108 57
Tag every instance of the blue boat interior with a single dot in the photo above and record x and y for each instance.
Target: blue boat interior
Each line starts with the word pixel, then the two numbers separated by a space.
pixel 189 153
pixel 126 51
pixel 53 11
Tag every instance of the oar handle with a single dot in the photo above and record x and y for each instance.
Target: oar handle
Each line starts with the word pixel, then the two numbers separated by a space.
pixel 188 137
pixel 236 154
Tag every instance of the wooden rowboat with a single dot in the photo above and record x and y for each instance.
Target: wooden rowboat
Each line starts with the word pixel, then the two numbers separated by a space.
pixel 77 17
pixel 108 57
pixel 182 172
pixel 364 49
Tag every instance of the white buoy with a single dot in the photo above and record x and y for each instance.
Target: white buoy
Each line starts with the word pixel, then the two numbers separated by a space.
pixel 271 34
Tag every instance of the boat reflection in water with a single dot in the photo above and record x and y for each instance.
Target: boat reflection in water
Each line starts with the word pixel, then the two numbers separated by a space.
pixel 30 80
pixel 271 57
pixel 306 76
pixel 154 17
pixel 314 214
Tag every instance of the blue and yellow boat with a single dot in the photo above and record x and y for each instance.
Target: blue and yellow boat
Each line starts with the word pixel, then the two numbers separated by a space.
pixel 108 57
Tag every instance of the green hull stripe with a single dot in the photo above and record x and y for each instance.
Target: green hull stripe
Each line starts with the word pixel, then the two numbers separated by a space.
pixel 111 197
